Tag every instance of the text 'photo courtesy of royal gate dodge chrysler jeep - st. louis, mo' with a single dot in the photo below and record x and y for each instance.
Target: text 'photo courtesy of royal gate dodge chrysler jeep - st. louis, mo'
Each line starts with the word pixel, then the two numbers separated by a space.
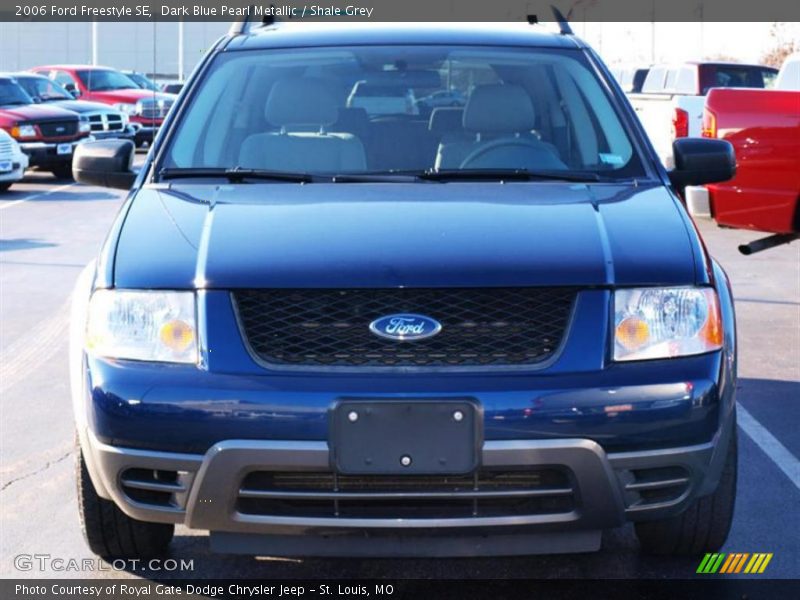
pixel 331 319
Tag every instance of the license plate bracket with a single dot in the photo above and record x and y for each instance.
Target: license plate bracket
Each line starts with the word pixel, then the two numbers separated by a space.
pixel 62 149
pixel 434 436
pixel 6 166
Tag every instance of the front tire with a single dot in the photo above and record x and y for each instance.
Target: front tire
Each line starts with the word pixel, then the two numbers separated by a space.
pixel 109 532
pixel 62 171
pixel 703 526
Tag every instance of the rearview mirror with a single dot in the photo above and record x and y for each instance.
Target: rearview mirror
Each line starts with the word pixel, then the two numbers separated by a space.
pixel 701 160
pixel 107 163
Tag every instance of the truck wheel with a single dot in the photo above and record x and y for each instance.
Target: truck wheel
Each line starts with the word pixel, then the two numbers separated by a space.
pixel 704 526
pixel 111 533
pixel 62 171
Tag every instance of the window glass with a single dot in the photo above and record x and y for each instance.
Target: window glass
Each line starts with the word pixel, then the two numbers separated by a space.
pixel 11 94
pixel 102 80
pixel 377 109
pixel 44 89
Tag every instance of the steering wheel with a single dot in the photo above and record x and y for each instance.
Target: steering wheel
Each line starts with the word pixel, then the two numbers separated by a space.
pixel 496 146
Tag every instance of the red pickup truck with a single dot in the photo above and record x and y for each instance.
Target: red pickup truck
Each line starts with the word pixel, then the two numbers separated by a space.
pixel 46 134
pixel 764 128
pixel 145 109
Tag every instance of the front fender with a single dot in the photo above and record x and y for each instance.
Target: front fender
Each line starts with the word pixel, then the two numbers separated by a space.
pixel 78 373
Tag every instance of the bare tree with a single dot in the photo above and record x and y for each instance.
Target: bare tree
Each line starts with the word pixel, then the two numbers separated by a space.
pixel 783 44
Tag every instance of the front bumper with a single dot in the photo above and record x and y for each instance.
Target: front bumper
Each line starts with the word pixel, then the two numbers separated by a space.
pixel 129 133
pixel 45 154
pixel 17 171
pixel 203 491
pixel 144 133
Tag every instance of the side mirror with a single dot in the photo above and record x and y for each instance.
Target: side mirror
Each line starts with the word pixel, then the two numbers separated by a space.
pixel 701 160
pixel 107 163
pixel 76 93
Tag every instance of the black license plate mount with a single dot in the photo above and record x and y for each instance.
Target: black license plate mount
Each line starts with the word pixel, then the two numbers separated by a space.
pixel 421 437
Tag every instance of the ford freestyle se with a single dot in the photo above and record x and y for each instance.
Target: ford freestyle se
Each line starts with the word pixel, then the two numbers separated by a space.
pixel 315 330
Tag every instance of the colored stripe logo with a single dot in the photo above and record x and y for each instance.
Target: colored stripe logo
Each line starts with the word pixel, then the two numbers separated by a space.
pixel 735 562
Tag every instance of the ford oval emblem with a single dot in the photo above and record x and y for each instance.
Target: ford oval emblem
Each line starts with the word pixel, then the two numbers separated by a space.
pixel 405 327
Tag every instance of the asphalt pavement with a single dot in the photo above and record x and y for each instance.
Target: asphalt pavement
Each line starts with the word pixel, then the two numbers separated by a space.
pixel 50 229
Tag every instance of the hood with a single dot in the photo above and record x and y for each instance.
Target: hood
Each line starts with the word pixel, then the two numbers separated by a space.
pixel 390 235
pixel 130 96
pixel 37 113
pixel 82 106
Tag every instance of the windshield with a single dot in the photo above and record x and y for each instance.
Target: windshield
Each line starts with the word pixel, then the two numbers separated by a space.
pixel 11 94
pixel 44 89
pixel 100 80
pixel 143 82
pixel 354 111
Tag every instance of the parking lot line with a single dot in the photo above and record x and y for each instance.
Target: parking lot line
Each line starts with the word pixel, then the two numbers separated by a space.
pixel 776 451
pixel 33 196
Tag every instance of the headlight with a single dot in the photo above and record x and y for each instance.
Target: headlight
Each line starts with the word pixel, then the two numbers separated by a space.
pixel 129 109
pixel 143 325
pixel 84 126
pixel 23 131
pixel 665 322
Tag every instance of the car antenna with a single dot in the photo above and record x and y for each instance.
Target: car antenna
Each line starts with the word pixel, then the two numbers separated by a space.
pixel 243 26
pixel 563 23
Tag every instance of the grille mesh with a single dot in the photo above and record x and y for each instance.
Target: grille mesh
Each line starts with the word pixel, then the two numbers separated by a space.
pixel 484 494
pixel 58 129
pixel 503 326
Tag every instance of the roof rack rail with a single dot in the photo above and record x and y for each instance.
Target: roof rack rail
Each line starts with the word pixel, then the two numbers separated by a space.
pixel 563 23
pixel 245 23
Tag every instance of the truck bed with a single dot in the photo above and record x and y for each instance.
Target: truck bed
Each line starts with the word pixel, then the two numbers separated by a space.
pixel 764 128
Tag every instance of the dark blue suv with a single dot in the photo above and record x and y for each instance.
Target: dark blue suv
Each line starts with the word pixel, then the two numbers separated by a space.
pixel 322 328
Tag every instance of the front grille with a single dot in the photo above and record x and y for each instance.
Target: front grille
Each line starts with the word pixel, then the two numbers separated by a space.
pixel 485 494
pixel 58 129
pixel 6 149
pixel 157 110
pixel 480 327
pixel 100 122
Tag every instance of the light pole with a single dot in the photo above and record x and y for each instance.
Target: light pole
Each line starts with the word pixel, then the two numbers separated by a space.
pixel 94 42
pixel 180 51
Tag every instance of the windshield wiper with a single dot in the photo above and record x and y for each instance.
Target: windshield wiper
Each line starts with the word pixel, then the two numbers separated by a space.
pixel 508 175
pixel 379 177
pixel 237 175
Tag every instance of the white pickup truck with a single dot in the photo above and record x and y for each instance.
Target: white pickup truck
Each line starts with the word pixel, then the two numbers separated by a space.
pixel 671 102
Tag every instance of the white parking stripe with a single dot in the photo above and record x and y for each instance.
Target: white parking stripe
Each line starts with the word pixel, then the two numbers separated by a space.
pixel 777 452
pixel 39 195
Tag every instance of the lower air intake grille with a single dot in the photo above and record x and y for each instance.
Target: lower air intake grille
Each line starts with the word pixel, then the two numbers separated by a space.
pixel 486 494
pixel 480 327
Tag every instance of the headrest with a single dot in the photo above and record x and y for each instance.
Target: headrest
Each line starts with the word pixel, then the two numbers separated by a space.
pixel 302 101
pixel 445 120
pixel 499 108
